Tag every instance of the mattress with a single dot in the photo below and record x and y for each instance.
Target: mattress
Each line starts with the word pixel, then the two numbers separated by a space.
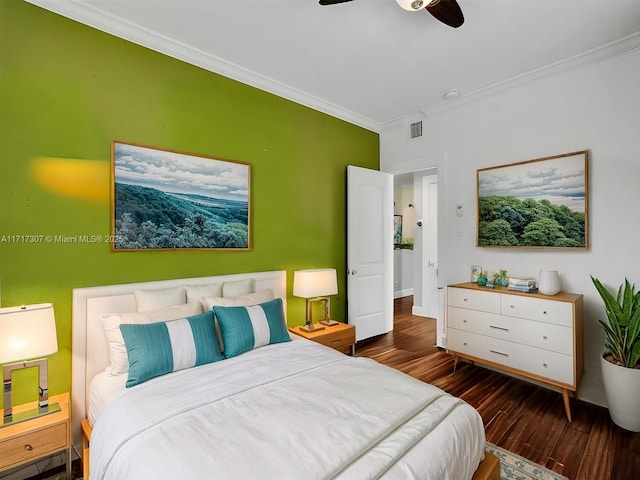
pixel 288 411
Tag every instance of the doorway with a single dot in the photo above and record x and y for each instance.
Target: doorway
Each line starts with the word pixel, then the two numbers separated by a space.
pixel 416 257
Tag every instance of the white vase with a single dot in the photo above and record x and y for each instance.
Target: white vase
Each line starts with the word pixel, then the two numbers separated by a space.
pixel 548 282
pixel 622 390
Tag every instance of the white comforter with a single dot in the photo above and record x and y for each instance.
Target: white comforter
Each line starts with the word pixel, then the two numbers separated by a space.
pixel 295 410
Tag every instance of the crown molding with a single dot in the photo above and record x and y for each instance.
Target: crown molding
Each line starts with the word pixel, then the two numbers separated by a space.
pixel 591 57
pixel 87 14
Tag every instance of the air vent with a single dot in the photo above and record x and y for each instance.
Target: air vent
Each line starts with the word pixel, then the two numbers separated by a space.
pixel 415 130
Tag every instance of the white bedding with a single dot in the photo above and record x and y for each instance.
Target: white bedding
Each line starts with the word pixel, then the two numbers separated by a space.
pixel 104 389
pixel 295 410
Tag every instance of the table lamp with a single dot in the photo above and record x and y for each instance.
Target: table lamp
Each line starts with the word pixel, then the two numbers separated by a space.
pixel 314 286
pixel 26 333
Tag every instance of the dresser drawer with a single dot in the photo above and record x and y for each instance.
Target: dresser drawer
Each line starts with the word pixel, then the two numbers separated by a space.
pixel 552 365
pixel 527 332
pixel 338 339
pixel 549 311
pixel 34 445
pixel 473 300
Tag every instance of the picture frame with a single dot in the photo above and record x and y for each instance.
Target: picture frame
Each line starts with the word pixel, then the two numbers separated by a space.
pixel 540 203
pixel 476 270
pixel 397 229
pixel 168 200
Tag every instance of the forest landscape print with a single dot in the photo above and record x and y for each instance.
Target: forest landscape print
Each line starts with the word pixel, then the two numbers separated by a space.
pixel 170 200
pixel 538 203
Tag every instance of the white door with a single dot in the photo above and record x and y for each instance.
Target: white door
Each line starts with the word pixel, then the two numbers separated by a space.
pixel 369 251
pixel 430 246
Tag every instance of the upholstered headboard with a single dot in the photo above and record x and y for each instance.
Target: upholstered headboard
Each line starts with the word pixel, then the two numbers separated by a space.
pixel 90 354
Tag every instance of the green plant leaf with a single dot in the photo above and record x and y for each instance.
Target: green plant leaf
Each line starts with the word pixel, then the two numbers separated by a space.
pixel 622 328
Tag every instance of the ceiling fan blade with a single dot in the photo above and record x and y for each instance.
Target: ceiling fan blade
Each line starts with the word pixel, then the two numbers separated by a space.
pixel 333 2
pixel 448 12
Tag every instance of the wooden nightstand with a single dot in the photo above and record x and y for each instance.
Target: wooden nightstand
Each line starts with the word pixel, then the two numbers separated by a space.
pixel 341 337
pixel 37 438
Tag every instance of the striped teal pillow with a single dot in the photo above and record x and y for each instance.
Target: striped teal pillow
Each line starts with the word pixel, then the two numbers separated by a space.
pixel 155 349
pixel 244 328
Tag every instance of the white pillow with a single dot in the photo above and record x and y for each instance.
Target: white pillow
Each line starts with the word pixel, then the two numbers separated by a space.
pixel 240 301
pixel 111 323
pixel 237 287
pixel 147 300
pixel 196 292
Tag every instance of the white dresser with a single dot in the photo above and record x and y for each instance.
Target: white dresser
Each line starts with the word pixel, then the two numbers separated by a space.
pixel 532 335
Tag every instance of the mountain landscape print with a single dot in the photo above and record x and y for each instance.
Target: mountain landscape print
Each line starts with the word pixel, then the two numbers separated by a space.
pixel 169 200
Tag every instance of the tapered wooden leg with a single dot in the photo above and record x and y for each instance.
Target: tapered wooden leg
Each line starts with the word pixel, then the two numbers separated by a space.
pixel 567 405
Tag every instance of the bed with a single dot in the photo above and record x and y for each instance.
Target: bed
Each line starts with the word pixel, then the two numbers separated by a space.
pixel 277 407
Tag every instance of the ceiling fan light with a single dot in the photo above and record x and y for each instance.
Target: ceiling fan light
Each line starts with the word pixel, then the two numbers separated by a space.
pixel 413 5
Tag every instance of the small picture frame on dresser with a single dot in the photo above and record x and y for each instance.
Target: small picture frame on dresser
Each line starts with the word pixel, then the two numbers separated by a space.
pixel 476 270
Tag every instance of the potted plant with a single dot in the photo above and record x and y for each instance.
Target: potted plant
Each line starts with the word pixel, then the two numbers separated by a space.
pixel 500 278
pixel 620 362
pixel 482 278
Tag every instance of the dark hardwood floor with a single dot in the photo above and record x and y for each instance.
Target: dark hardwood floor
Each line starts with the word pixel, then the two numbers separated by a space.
pixel 521 417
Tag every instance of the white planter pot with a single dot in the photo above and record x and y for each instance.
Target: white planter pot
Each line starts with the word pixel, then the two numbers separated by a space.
pixel 622 389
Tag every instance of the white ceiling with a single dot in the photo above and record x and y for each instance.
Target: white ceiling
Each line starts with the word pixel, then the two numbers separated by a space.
pixel 368 61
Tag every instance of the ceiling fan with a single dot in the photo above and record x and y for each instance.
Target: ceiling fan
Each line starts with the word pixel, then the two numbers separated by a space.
pixel 447 11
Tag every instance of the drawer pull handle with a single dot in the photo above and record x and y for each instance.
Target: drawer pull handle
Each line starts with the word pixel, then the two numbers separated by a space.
pixel 499 328
pixel 465 300
pixel 464 321
pixel 28 447
pixel 544 337
pixel 512 306
pixel 544 312
pixel 499 353
pixel 464 343
pixel 335 341
pixel 545 365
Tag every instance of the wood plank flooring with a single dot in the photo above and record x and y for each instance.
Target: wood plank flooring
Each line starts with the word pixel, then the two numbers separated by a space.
pixel 518 416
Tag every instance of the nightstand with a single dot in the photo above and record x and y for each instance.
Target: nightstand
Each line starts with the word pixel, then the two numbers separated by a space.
pixel 341 337
pixel 34 439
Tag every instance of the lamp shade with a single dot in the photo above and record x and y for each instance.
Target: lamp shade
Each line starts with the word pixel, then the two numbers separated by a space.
pixel 315 283
pixel 27 332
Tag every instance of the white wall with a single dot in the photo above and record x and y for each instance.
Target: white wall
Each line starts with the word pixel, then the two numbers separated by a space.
pixel 402 198
pixel 403 267
pixel 595 108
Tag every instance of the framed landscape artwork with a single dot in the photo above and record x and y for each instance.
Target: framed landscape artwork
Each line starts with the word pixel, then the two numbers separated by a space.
pixel 163 199
pixel 540 203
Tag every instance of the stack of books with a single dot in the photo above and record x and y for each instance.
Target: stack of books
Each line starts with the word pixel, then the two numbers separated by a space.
pixel 526 285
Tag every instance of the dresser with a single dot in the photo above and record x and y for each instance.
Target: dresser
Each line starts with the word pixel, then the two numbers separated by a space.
pixel 535 336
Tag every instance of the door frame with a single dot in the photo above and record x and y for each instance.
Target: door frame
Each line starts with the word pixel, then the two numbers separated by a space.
pixel 418 164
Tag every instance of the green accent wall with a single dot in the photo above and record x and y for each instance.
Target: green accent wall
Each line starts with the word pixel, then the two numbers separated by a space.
pixel 67 91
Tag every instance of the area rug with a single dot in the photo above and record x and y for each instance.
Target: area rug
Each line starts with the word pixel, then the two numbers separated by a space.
pixel 514 467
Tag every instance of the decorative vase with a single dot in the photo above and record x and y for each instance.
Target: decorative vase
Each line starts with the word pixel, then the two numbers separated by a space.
pixel 622 390
pixel 503 281
pixel 548 282
pixel 482 282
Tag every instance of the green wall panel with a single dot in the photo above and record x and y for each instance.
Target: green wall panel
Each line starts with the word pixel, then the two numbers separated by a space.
pixel 67 91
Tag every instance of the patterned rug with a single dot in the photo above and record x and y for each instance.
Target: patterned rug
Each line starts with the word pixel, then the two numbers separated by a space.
pixel 515 467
